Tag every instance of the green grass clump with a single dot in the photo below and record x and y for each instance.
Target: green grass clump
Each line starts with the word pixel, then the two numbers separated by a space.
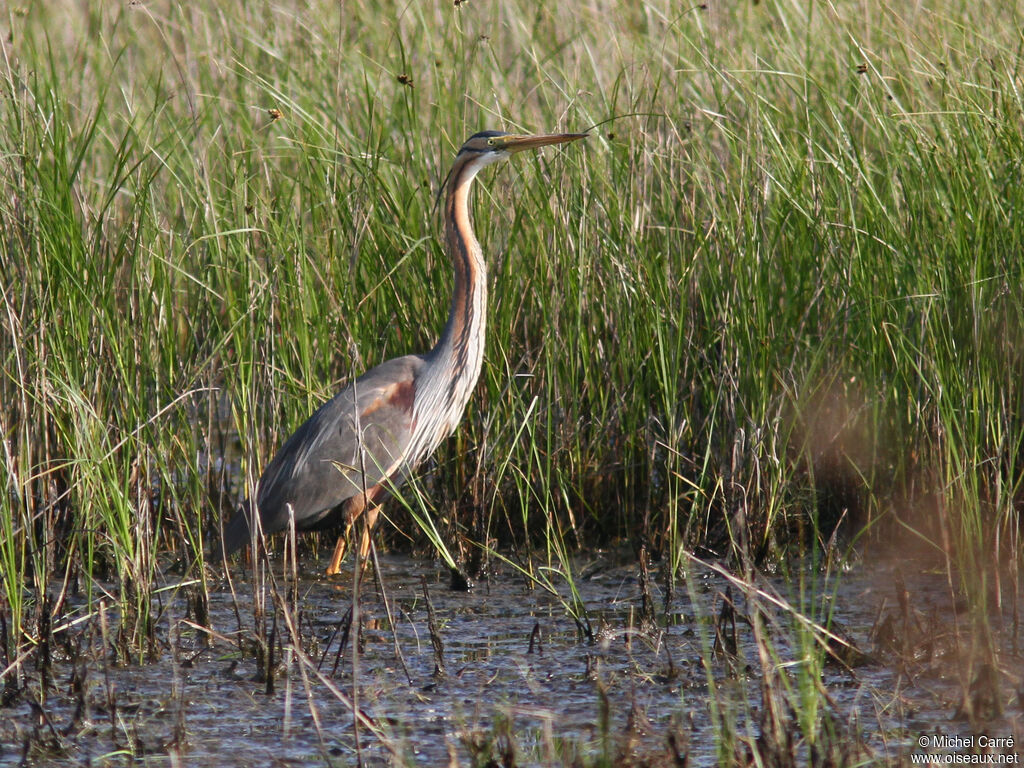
pixel 779 285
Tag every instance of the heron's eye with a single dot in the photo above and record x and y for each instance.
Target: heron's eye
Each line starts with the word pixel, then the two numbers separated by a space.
pixel 490 141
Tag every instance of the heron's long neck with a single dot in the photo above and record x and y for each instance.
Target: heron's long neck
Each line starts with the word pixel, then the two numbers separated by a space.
pixel 461 342
pixel 456 358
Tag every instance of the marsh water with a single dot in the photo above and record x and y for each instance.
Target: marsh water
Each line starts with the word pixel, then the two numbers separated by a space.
pixel 520 675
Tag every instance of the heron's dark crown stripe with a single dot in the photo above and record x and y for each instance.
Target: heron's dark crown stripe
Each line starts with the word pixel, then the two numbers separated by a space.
pixel 486 135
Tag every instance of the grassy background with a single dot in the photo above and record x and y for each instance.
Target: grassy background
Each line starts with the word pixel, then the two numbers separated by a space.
pixel 780 283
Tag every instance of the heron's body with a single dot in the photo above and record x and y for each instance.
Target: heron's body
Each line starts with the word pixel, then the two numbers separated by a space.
pixel 370 436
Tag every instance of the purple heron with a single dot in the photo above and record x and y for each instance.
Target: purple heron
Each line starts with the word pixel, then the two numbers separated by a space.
pixel 372 435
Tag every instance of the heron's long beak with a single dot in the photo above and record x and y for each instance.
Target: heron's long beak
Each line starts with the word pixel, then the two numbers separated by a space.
pixel 514 143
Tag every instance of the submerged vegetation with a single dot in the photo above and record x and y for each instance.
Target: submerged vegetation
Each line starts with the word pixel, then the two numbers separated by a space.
pixel 772 309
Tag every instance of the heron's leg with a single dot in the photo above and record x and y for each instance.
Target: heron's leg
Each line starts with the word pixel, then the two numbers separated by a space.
pixel 334 566
pixel 368 523
pixel 354 507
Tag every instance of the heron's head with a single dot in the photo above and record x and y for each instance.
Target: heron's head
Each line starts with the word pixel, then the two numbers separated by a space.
pixel 482 149
pixel 490 146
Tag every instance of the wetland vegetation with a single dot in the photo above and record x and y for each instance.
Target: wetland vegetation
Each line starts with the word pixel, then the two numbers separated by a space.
pixel 741 482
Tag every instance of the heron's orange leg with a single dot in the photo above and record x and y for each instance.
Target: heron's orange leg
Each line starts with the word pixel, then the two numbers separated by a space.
pixel 369 521
pixel 339 553
pixel 371 512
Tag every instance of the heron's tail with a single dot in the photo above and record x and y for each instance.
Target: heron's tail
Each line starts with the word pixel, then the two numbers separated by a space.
pixel 236 533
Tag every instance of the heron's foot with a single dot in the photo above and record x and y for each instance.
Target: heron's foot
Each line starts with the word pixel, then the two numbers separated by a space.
pixel 334 567
pixel 341 549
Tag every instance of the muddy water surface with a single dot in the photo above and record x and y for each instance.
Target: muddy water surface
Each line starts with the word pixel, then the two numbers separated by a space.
pixel 520 676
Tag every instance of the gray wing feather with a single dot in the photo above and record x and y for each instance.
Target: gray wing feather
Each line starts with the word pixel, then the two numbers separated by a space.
pixel 350 444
